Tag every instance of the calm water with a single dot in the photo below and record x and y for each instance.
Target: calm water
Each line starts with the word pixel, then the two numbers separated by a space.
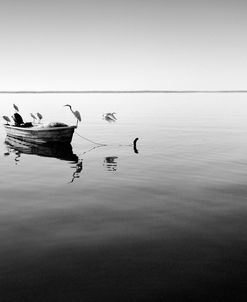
pixel 168 223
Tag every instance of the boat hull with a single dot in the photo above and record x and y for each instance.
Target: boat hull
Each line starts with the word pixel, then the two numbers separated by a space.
pixel 41 135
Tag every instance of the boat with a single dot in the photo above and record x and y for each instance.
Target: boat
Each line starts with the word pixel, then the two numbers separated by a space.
pixel 51 133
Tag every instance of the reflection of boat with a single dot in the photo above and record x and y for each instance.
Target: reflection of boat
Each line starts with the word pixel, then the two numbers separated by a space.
pixel 60 151
pixel 42 135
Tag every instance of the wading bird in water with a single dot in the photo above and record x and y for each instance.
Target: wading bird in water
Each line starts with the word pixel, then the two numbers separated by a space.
pixel 76 114
pixel 39 116
pixel 16 108
pixel 34 117
pixel 7 119
pixel 110 117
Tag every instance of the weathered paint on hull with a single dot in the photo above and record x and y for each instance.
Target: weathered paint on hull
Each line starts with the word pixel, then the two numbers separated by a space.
pixel 43 135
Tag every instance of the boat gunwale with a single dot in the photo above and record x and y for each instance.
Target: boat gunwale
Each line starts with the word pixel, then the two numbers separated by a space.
pixel 39 129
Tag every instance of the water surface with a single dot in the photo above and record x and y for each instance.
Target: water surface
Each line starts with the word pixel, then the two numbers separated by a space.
pixel 165 224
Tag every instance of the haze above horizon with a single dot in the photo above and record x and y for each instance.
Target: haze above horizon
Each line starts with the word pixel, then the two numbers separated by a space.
pixel 116 46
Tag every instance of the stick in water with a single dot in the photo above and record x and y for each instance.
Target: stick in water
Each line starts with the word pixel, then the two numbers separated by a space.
pixel 134 144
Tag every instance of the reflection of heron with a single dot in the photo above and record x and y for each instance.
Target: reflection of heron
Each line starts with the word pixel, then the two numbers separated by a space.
pixel 78 170
pixel 76 114
pixel 16 108
pixel 33 116
pixel 39 116
pixel 7 119
pixel 79 167
pixel 110 117
pixel 111 163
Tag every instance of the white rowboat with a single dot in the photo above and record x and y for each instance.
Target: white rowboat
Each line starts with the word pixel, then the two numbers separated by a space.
pixel 41 135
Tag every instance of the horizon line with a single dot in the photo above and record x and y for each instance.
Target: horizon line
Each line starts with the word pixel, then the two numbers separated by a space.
pixel 115 91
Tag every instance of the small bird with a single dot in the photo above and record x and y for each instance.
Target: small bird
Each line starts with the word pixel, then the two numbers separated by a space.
pixel 76 114
pixel 110 117
pixel 39 116
pixel 16 108
pixel 7 119
pixel 34 117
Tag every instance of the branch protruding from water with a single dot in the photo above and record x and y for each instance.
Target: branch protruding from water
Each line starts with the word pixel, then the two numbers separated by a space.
pixel 134 145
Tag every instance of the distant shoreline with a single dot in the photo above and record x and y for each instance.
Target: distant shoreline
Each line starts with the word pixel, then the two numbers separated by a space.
pixel 116 91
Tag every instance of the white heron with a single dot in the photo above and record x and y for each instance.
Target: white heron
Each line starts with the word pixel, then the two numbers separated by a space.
pixel 110 117
pixel 34 117
pixel 7 119
pixel 76 114
pixel 13 117
pixel 39 116
pixel 16 108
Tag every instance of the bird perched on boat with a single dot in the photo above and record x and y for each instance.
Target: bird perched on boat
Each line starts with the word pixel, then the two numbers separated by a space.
pixel 16 108
pixel 17 119
pixel 7 119
pixel 39 116
pixel 34 117
pixel 110 117
pixel 13 118
pixel 76 114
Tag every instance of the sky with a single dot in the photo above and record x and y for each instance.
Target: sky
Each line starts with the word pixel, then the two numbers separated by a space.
pixel 123 45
